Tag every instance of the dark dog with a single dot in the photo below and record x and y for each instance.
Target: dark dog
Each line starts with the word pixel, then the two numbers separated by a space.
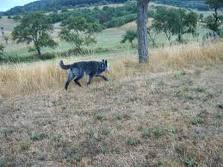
pixel 77 70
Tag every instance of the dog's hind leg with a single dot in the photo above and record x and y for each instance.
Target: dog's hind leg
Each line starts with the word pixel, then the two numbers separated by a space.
pixel 77 80
pixel 69 78
pixel 90 79
pixel 80 75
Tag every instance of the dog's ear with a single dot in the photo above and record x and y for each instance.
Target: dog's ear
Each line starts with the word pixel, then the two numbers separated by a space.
pixel 103 60
pixel 106 62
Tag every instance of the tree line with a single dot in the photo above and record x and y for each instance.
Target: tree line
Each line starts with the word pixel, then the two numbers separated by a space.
pixel 78 26
pixel 54 5
pixel 177 22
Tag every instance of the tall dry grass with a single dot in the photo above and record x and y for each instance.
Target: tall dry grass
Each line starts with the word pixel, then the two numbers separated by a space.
pixel 21 79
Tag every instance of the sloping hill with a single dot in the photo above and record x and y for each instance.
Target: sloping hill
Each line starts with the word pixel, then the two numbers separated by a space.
pixel 192 4
pixel 49 5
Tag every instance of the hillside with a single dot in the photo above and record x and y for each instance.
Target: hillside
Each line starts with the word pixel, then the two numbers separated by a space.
pixel 153 116
pixel 192 4
pixel 49 5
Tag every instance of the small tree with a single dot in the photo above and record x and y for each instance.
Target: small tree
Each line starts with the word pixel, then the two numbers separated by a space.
pixel 182 22
pixel 129 36
pixel 152 34
pixel 79 32
pixel 214 22
pixel 34 28
pixel 162 21
pixel 6 38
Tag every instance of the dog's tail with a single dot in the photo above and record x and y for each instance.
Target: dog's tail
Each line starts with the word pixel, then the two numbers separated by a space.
pixel 63 66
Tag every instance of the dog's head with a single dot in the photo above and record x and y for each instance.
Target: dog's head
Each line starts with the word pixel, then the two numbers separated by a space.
pixel 104 65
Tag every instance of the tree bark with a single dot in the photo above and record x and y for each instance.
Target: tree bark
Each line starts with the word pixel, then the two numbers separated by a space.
pixel 38 50
pixel 216 20
pixel 180 37
pixel 142 19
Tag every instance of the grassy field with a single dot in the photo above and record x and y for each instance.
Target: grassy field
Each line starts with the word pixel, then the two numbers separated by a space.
pixel 165 113
pixel 108 42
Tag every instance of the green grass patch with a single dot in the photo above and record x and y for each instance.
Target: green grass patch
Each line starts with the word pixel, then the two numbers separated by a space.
pixel 197 120
pixel 132 141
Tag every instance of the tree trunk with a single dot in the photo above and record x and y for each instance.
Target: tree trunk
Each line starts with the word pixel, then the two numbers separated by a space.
pixel 180 37
pixel 38 51
pixel 216 20
pixel 142 6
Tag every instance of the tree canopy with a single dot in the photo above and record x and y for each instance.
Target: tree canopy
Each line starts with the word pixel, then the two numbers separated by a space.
pixel 214 22
pixel 175 22
pixel 129 36
pixel 34 28
pixel 78 31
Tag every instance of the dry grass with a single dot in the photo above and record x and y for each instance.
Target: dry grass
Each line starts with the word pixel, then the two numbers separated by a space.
pixel 137 119
pixel 28 78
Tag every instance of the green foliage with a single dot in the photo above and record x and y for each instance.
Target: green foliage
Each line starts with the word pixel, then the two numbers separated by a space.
pixel 37 136
pixel 197 120
pixel 175 22
pixel 190 163
pixel 52 5
pixel 106 17
pixel 99 116
pixel 129 36
pixel 118 21
pixel 191 4
pixel 162 21
pixel 34 28
pixel 158 132
pixel 3 162
pixel 152 34
pixel 214 22
pixel 72 154
pixel 146 133
pixel 215 4
pixel 1 49
pixel 16 18
pixel 79 32
pixel 132 141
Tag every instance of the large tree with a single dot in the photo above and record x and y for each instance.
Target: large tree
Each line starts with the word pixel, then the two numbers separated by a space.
pixel 34 28
pixel 142 19
pixel 214 22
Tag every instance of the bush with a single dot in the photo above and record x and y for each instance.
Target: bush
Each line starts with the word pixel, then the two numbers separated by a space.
pixel 119 21
pixel 47 56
